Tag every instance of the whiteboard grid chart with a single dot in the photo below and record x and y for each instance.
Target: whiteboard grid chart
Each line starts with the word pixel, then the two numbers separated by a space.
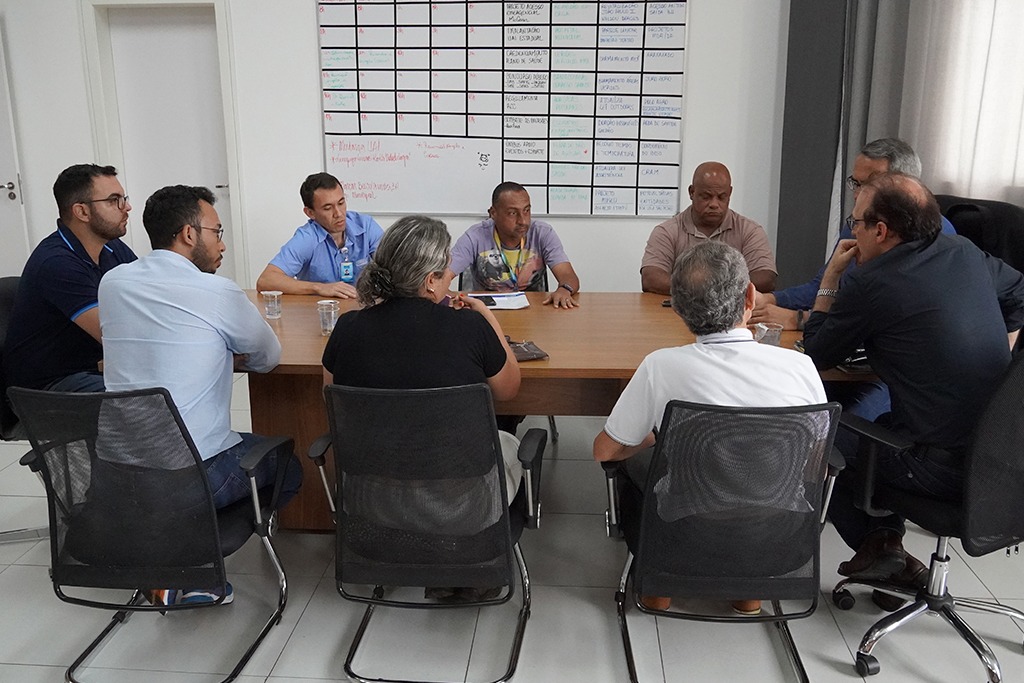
pixel 428 105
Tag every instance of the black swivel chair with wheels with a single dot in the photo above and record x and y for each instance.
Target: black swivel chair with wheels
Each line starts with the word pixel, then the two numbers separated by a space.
pixel 467 275
pixel 10 429
pixel 732 510
pixel 987 518
pixel 994 226
pixel 130 506
pixel 421 500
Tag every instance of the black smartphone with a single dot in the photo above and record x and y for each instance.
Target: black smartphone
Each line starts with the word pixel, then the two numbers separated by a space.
pixel 667 303
pixel 488 301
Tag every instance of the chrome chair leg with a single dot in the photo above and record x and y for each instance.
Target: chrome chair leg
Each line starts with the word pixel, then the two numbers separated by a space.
pixel 889 624
pixel 620 608
pixel 977 643
pixel 790 645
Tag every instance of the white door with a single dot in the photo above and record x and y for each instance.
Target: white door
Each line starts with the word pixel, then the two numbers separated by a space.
pixel 13 228
pixel 170 110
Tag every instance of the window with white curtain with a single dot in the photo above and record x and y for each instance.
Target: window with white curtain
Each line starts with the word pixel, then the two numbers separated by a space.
pixel 963 96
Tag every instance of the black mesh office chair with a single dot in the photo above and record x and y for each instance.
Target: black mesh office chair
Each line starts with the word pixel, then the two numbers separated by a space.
pixel 421 498
pixel 467 276
pixel 10 428
pixel 986 519
pixel 130 506
pixel 732 509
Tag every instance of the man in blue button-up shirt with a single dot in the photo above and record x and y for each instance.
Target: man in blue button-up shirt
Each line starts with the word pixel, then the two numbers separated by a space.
pixel 310 262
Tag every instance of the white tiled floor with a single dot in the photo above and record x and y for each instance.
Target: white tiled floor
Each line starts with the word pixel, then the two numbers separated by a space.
pixel 572 635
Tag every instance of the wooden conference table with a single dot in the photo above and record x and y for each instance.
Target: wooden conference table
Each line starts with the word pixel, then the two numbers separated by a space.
pixel 593 349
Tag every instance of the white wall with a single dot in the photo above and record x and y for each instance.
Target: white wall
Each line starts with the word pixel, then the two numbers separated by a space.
pixel 732 113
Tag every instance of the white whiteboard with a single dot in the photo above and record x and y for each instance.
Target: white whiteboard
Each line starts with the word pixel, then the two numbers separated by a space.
pixel 428 105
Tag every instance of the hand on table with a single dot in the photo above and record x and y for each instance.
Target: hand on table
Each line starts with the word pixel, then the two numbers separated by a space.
pixel 770 313
pixel 335 290
pixel 560 298
pixel 462 300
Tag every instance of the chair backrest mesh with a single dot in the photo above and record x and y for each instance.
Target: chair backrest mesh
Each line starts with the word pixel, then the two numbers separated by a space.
pixel 994 469
pixel 732 502
pixel 9 427
pixel 129 502
pixel 421 493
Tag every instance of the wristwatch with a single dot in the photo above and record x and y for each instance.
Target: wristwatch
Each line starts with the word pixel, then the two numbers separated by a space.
pixel 566 287
pixel 824 291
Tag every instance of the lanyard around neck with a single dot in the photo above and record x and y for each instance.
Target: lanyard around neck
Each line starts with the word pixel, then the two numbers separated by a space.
pixel 512 272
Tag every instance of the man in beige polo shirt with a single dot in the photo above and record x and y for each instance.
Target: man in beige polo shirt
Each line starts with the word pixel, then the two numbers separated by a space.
pixel 707 217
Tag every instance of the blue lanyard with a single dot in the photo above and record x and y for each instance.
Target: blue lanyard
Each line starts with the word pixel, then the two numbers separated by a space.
pixel 513 274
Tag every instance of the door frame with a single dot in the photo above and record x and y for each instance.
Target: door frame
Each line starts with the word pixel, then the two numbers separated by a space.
pixel 102 94
pixel 26 245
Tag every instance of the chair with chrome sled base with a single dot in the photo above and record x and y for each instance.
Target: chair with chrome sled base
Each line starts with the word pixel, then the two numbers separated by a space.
pixel 421 500
pixel 732 509
pixel 130 506
pixel 986 519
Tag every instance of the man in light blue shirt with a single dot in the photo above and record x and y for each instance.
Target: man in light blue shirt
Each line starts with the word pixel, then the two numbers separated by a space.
pixel 169 321
pixel 311 261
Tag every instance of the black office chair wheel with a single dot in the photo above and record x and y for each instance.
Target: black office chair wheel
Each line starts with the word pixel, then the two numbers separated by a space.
pixel 843 599
pixel 867 665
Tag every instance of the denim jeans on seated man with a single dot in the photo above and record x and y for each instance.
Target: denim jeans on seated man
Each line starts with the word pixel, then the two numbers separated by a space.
pixel 79 381
pixel 229 482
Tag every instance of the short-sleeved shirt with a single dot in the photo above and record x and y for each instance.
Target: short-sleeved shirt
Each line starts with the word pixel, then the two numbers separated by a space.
pixel 494 268
pixel 679 233
pixel 167 324
pixel 413 343
pixel 725 369
pixel 58 284
pixel 312 256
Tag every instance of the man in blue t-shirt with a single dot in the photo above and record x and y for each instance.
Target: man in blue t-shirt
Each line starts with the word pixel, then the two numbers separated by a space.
pixel 311 262
pixel 53 338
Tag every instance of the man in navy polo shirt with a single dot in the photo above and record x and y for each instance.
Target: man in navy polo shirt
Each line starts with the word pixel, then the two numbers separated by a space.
pixel 311 261
pixel 53 339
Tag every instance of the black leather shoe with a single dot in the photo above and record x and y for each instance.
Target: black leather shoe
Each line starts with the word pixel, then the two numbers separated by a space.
pixel 914 577
pixel 880 556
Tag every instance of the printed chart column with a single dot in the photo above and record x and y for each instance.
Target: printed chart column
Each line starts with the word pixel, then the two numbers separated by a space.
pixel 661 109
pixel 571 124
pixel 527 35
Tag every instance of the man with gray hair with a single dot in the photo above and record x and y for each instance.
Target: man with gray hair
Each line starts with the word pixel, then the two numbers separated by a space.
pixel 712 293
pixel 791 306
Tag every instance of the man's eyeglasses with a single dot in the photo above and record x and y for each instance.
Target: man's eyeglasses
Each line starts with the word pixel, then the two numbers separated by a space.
pixel 117 200
pixel 851 221
pixel 853 183
pixel 219 231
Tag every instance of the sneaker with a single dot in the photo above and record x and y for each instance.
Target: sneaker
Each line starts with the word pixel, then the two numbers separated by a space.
pixel 196 596
pixel 747 608
pixel 160 596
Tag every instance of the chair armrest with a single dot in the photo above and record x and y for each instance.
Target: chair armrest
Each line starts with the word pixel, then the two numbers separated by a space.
pixel 872 437
pixel 531 455
pixel 875 432
pixel 531 448
pixel 318 448
pixel 836 462
pixel 31 461
pixel 612 524
pixel 252 459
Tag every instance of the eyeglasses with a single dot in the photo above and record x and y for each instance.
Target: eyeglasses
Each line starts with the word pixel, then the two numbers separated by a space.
pixel 219 231
pixel 118 200
pixel 851 221
pixel 853 184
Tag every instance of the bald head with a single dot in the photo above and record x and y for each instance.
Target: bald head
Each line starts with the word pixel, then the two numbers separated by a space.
pixel 710 194
pixel 904 204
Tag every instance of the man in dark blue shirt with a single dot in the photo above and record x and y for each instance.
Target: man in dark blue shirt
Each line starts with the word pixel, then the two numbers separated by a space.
pixel 53 339
pixel 937 317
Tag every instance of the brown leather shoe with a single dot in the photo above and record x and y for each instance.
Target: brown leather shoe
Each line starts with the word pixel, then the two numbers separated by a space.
pixel 748 608
pixel 880 556
pixel 914 577
pixel 655 603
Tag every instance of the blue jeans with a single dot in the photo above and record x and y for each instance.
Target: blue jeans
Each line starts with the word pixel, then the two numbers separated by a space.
pixel 922 470
pixel 230 483
pixel 863 399
pixel 79 381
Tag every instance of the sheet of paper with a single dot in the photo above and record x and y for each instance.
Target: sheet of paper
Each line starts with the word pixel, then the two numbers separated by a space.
pixel 508 302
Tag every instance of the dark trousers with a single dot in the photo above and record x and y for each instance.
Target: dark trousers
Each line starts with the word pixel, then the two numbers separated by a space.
pixel 923 470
